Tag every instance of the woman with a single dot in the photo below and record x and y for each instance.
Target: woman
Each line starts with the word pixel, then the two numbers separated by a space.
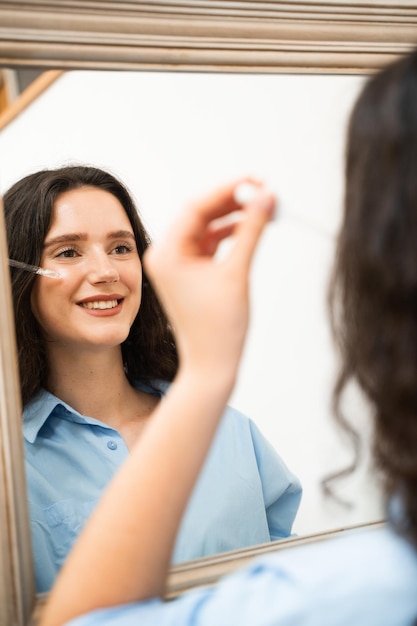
pixel 367 578
pixel 96 355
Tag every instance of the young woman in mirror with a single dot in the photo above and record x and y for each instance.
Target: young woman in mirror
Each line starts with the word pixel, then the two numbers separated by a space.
pixel 96 355
pixel 116 573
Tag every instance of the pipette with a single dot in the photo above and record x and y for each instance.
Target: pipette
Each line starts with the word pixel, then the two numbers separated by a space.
pixel 245 192
pixel 34 268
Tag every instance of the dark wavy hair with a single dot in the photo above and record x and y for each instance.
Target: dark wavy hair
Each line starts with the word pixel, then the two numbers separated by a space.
pixel 149 351
pixel 373 292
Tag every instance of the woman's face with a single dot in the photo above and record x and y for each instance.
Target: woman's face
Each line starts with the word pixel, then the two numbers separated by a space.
pixel 92 246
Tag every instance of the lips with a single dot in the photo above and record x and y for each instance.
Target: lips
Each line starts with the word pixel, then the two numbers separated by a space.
pixel 100 304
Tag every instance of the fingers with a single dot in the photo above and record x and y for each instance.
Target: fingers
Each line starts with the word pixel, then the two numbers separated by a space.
pixel 214 205
pixel 246 225
pixel 199 230
pixel 257 213
pixel 210 243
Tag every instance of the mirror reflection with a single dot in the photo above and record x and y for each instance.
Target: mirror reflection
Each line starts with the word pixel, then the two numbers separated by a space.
pixel 167 137
pixel 96 356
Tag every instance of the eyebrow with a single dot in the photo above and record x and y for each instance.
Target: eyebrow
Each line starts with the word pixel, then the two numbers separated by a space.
pixel 72 237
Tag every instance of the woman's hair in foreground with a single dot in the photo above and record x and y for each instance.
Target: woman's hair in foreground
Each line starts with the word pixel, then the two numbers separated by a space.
pixel 149 351
pixel 373 293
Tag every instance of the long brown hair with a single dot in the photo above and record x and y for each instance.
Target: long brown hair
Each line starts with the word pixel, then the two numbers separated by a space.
pixel 149 351
pixel 373 292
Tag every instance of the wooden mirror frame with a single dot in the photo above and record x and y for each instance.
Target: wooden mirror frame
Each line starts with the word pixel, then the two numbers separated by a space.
pixel 211 35
pixel 192 35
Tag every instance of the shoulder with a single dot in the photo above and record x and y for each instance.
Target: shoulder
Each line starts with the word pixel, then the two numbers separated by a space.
pixel 238 429
pixel 367 578
pixel 380 548
pixel 370 573
pixel 233 421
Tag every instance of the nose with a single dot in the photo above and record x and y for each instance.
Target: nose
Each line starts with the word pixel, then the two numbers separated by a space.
pixel 102 270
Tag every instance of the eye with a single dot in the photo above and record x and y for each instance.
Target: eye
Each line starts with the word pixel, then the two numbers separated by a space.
pixel 67 253
pixel 122 248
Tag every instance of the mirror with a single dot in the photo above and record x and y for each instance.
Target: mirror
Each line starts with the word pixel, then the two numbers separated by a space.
pixel 173 135
pixel 272 47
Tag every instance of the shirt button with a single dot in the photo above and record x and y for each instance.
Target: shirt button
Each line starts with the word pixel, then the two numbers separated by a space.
pixel 112 445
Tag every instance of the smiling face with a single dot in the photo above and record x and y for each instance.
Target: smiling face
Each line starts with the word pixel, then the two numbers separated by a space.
pixel 92 246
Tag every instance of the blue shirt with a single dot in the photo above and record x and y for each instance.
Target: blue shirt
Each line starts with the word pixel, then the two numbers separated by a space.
pixel 365 579
pixel 245 494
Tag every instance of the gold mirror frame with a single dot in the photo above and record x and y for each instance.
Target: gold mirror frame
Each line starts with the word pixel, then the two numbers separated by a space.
pixel 192 35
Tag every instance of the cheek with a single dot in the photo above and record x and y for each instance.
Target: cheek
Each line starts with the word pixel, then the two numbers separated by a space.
pixel 135 285
pixel 137 298
pixel 40 315
pixel 43 303
pixel 135 303
pixel 35 298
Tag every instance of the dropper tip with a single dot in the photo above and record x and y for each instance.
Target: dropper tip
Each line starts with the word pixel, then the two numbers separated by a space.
pixel 49 273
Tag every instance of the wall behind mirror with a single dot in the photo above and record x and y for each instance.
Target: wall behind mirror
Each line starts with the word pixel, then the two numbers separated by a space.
pixel 170 137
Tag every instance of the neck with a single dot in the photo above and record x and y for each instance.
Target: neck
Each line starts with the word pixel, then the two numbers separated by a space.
pixel 92 382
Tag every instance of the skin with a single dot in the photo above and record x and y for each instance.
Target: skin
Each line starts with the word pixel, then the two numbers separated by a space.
pixel 91 245
pixel 116 559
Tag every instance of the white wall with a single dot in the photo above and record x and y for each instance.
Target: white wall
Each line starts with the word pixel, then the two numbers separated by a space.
pixel 170 137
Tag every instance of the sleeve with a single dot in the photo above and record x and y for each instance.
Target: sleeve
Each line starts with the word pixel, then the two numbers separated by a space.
pixel 281 488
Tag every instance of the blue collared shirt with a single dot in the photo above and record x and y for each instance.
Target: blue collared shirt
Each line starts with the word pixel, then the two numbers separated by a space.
pixel 365 579
pixel 245 494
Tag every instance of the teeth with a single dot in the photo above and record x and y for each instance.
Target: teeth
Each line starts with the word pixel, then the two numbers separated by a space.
pixel 100 304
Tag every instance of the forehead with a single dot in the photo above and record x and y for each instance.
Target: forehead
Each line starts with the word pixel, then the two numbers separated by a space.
pixel 88 208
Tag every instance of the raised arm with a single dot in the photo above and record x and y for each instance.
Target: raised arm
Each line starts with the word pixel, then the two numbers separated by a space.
pixel 124 552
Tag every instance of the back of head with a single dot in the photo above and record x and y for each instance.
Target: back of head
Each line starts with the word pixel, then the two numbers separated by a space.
pixel 374 286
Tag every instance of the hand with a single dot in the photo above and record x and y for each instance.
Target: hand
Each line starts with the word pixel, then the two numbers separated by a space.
pixel 207 298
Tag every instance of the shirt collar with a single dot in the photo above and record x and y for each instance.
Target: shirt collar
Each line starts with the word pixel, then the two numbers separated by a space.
pixel 38 410
pixel 44 403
